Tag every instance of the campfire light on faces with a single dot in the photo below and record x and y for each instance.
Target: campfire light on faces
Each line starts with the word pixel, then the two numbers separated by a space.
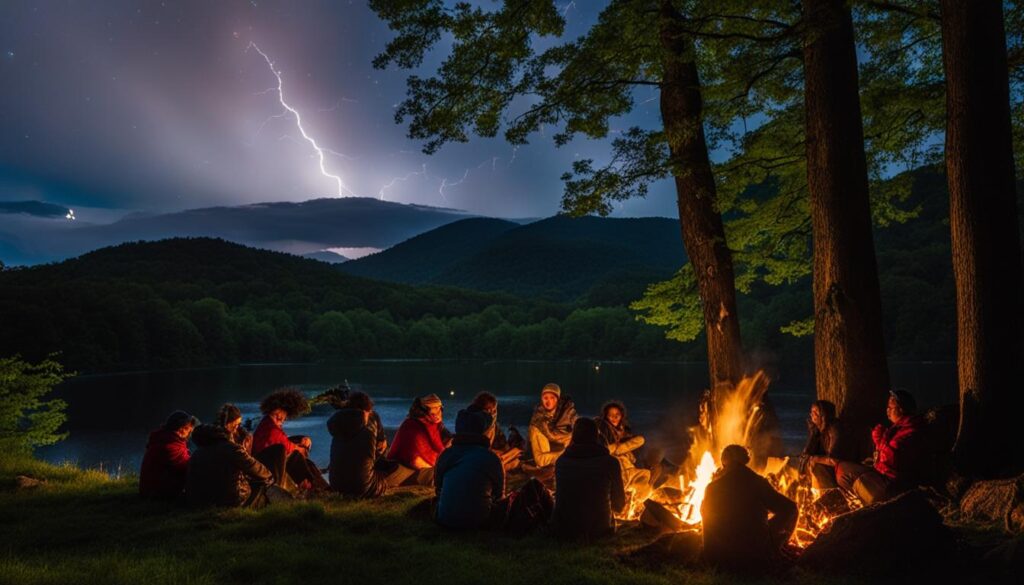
pixel 732 417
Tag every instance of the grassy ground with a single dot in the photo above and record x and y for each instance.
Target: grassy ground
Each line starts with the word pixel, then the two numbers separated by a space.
pixel 83 527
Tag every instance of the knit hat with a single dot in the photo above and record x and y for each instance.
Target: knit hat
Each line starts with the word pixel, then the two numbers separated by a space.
pixel 180 419
pixel 552 388
pixel 472 422
pixel 584 432
pixel 430 400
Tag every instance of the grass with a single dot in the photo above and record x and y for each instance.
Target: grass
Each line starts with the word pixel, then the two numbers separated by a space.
pixel 84 527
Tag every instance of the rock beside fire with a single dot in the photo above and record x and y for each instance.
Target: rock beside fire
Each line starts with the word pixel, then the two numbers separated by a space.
pixel 905 532
pixel 996 501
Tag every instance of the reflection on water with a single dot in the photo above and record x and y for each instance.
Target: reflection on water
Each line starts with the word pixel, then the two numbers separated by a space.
pixel 111 416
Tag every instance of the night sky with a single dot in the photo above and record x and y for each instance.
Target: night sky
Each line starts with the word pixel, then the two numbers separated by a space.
pixel 163 106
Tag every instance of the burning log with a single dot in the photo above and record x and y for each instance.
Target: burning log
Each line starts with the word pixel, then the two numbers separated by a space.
pixel 831 503
pixel 898 534
pixel 659 517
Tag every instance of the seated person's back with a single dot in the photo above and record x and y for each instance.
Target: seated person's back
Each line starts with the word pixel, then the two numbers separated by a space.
pixel 588 484
pixel 735 512
pixel 165 463
pixel 354 449
pixel 220 472
pixel 469 478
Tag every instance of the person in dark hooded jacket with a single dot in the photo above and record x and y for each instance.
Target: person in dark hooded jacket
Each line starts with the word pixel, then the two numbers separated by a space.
pixel 738 533
pixel 354 450
pixel 165 463
pixel 469 478
pixel 589 486
pixel 222 473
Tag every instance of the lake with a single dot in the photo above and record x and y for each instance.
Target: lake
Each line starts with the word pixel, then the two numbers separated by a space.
pixel 110 416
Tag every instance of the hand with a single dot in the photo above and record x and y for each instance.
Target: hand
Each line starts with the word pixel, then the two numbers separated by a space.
pixel 877 434
pixel 306 443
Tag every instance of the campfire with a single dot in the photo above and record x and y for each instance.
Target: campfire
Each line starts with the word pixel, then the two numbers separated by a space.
pixel 734 415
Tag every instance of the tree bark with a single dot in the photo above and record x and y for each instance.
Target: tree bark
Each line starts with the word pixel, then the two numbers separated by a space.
pixel 849 351
pixel 699 217
pixel 985 236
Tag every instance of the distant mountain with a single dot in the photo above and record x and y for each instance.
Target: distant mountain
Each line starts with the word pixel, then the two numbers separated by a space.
pixel 425 257
pixel 36 208
pixel 605 261
pixel 297 228
pixel 325 256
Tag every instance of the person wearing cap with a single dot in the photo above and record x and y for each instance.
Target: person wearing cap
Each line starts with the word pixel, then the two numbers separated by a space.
pixel 469 478
pixel 419 441
pixel 354 449
pixel 745 521
pixel 589 486
pixel 551 425
pixel 899 454
pixel 165 463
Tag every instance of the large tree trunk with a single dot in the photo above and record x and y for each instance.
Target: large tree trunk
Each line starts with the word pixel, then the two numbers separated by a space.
pixel 849 353
pixel 985 236
pixel 699 216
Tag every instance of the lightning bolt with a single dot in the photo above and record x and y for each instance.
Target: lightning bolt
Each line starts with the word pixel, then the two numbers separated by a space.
pixel 342 189
pixel 566 7
pixel 445 183
pixel 391 183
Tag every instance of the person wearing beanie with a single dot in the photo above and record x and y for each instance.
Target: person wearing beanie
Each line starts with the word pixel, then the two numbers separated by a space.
pixel 738 534
pixel 469 479
pixel 165 463
pixel 419 441
pixel 589 486
pixel 551 426
pixel 901 458
pixel 354 450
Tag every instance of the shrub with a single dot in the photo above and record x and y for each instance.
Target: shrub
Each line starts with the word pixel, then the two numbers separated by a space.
pixel 27 418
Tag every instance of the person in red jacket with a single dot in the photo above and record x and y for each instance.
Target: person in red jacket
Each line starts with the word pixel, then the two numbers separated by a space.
pixel 899 454
pixel 419 441
pixel 286 457
pixel 165 464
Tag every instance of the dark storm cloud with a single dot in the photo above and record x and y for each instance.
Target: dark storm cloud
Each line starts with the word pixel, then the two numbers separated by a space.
pixel 159 106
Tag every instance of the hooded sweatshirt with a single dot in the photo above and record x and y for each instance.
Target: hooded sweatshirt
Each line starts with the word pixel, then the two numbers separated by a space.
pixel 267 434
pixel 353 454
pixel 589 486
pixel 221 470
pixel 164 465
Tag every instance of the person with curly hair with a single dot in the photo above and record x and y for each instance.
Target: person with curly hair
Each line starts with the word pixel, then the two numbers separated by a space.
pixel 622 444
pixel 286 457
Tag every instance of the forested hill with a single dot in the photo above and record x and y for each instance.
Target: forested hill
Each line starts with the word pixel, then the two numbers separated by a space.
pixel 201 301
pixel 600 261
pixel 422 258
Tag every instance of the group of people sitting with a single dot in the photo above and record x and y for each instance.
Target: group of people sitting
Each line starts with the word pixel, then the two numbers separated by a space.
pixel 592 463
pixel 747 523
pixel 832 458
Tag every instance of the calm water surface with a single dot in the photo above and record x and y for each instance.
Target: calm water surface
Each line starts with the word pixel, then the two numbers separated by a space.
pixel 110 416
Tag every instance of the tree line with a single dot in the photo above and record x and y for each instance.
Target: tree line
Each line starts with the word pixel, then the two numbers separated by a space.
pixel 836 93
